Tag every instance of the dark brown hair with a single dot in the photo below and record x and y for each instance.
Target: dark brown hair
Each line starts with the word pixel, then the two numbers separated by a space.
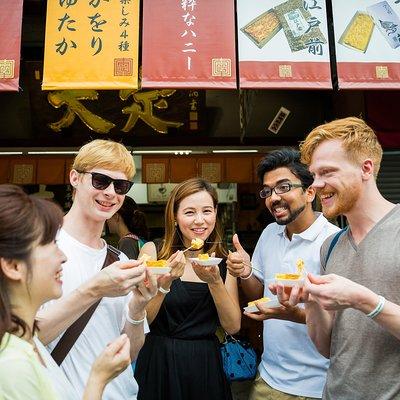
pixel 172 239
pixel 133 218
pixel 25 222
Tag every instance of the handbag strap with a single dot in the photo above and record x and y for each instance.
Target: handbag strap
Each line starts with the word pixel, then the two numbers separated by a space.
pixel 71 335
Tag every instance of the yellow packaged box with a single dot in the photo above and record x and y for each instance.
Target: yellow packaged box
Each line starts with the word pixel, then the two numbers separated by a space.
pixel 358 32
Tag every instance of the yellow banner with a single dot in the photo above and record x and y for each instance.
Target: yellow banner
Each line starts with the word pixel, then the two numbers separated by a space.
pixel 91 44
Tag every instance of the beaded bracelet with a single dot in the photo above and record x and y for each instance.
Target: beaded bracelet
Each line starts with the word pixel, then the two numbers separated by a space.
pixel 378 308
pixel 134 321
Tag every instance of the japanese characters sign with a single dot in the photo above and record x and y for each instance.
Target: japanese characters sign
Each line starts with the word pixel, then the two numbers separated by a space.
pixel 91 44
pixel 367 40
pixel 189 43
pixel 283 44
pixel 10 44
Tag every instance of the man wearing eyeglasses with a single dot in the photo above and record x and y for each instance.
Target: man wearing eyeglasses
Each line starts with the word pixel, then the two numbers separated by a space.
pixel 101 176
pixel 290 367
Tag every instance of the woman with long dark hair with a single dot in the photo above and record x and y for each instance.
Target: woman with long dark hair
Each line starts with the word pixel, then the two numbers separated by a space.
pixel 30 275
pixel 180 359
pixel 129 224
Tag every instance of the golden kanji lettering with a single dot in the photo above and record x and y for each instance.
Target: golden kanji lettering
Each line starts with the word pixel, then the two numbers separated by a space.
pixel 142 108
pixel 71 98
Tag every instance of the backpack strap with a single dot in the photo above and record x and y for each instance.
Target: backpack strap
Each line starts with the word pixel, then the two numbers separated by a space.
pixel 71 335
pixel 333 244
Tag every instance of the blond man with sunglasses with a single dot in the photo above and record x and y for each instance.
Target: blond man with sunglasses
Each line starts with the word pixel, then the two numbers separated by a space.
pixel 101 176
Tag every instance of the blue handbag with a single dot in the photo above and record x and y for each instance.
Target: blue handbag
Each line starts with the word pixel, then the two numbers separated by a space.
pixel 239 359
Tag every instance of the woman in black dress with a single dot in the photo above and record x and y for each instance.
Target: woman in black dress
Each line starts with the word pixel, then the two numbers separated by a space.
pixel 180 359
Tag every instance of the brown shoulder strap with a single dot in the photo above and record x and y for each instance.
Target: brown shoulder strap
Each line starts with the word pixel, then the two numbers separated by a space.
pixel 71 335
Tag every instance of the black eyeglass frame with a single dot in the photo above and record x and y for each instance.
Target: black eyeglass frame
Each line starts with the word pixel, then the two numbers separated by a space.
pixel 273 189
pixel 124 189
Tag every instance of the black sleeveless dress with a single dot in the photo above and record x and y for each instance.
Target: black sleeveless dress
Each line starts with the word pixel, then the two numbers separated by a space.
pixel 180 359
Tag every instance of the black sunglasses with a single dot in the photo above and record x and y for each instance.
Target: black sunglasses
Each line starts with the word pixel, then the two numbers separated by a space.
pixel 102 182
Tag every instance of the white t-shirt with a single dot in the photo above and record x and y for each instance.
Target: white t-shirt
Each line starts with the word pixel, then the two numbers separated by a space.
pixel 104 326
pixel 290 362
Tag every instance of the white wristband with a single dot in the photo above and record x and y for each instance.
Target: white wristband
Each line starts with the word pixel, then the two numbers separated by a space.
pixel 163 291
pixel 248 276
pixel 134 321
pixel 378 308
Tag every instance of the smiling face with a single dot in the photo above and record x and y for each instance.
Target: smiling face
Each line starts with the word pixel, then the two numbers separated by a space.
pixel 286 207
pixel 97 205
pixel 45 282
pixel 337 180
pixel 196 217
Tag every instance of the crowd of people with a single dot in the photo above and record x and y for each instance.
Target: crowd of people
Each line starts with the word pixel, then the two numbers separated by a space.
pixel 75 311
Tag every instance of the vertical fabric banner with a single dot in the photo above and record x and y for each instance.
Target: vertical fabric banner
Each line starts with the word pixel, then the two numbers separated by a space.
pixel 283 44
pixel 367 40
pixel 91 44
pixel 10 43
pixel 189 44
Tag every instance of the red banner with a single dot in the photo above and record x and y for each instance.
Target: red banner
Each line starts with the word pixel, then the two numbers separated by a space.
pixel 10 43
pixel 189 44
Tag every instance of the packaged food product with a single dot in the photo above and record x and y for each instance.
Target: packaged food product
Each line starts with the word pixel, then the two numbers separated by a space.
pixel 358 32
pixel 387 22
pixel 262 28
pixel 300 27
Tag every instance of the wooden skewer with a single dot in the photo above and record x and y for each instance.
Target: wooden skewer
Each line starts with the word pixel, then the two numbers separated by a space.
pixel 251 266
pixel 189 248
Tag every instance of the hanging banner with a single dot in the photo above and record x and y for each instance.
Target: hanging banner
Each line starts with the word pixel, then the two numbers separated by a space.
pixel 189 44
pixel 10 44
pixel 91 44
pixel 283 44
pixel 367 40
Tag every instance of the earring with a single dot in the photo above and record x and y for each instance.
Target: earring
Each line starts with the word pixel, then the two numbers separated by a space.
pixel 175 223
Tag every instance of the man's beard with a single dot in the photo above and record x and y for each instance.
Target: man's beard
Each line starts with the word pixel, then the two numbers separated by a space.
pixel 344 203
pixel 292 215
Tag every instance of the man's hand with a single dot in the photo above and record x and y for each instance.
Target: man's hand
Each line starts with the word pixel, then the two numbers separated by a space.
pixel 119 278
pixel 286 311
pixel 238 263
pixel 142 294
pixel 333 292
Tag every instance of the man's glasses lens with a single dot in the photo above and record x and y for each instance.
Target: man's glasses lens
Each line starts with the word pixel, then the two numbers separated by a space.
pixel 278 189
pixel 102 182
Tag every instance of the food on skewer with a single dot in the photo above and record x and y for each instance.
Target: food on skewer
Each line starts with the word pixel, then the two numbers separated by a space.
pixel 196 244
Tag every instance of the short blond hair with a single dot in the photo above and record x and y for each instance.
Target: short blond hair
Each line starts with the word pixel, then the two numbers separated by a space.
pixel 358 140
pixel 105 154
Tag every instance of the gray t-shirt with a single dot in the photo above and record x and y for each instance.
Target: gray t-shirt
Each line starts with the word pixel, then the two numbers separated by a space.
pixel 365 358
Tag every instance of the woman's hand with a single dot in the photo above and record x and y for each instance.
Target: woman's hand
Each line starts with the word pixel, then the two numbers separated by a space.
pixel 112 361
pixel 177 263
pixel 209 274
